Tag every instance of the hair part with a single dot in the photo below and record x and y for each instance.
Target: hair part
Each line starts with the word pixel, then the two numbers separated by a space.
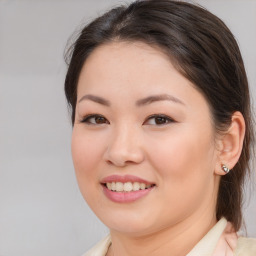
pixel 202 49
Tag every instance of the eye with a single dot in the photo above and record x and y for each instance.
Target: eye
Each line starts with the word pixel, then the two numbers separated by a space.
pixel 94 120
pixel 158 120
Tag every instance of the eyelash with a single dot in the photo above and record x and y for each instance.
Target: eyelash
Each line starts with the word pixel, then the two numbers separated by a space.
pixel 167 119
pixel 88 117
pixel 164 117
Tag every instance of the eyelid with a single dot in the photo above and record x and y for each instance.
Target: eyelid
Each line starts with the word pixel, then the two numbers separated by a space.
pixel 87 117
pixel 168 118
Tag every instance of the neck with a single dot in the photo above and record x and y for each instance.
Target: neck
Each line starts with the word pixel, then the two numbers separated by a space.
pixel 178 239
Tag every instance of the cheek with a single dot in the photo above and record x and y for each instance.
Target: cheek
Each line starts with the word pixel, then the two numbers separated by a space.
pixel 184 164
pixel 182 149
pixel 86 154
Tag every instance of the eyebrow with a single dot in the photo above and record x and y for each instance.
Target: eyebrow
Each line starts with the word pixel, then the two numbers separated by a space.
pixel 160 97
pixel 96 99
pixel 141 102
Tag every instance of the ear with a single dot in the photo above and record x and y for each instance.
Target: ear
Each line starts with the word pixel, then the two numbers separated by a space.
pixel 231 144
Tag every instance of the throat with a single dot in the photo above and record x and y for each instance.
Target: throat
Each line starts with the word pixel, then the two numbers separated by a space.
pixel 178 240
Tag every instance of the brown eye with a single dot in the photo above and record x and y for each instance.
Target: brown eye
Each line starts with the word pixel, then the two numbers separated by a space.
pixel 158 120
pixel 95 119
pixel 100 120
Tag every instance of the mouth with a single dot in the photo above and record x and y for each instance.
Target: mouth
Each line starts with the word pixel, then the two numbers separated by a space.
pixel 127 186
pixel 125 189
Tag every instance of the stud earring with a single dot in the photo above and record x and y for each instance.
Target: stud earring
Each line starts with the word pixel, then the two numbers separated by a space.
pixel 225 168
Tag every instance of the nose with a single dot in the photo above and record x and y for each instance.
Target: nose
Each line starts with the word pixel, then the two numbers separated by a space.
pixel 124 147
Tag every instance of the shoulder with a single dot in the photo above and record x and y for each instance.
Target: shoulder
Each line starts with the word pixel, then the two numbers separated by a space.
pixel 245 247
pixel 100 249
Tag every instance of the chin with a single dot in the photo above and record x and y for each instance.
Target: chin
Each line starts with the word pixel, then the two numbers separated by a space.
pixel 127 221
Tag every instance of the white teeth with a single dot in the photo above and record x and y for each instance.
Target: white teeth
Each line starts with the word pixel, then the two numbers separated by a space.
pixel 142 185
pixel 127 186
pixel 109 185
pixel 113 186
pixel 119 187
pixel 136 186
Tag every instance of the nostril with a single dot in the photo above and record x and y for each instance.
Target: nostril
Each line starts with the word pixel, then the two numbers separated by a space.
pixel 121 153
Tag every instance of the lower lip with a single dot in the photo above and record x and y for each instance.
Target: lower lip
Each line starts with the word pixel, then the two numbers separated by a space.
pixel 125 197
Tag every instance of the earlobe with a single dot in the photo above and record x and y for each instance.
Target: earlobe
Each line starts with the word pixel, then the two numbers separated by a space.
pixel 231 145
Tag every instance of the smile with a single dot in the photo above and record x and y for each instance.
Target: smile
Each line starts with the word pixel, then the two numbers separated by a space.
pixel 125 189
pixel 127 186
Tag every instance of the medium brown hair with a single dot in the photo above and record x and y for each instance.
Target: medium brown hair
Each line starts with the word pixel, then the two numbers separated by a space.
pixel 202 49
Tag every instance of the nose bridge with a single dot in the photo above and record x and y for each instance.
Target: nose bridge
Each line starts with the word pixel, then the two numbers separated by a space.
pixel 125 145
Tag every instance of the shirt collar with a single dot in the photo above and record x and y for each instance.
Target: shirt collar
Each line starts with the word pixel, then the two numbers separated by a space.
pixel 207 244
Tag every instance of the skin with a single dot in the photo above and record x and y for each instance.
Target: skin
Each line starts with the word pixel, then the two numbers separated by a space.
pixel 181 156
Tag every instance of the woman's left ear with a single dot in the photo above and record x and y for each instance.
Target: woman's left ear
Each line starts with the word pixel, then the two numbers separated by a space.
pixel 230 144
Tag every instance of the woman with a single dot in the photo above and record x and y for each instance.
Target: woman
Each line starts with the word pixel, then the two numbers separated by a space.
pixel 162 130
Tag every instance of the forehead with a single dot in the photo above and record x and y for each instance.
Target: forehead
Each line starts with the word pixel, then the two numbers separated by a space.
pixel 135 69
pixel 132 55
pixel 125 62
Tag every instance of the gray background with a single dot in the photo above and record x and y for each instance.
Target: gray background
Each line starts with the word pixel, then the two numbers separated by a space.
pixel 41 210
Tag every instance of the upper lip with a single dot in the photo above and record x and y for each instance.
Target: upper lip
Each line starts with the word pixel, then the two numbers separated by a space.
pixel 124 178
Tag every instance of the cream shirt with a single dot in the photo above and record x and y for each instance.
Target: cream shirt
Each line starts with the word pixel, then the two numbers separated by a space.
pixel 219 241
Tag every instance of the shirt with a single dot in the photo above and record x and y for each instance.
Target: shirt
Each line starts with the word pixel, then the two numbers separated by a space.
pixel 221 240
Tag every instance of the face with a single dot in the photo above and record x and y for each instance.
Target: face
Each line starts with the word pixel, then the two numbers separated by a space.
pixel 143 142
